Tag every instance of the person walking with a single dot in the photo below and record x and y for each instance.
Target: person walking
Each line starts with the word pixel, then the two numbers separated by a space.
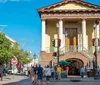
pixel 40 74
pixel 59 72
pixel 88 71
pixel 35 70
pixel 98 69
pixel 52 73
pixel 48 74
pixel 82 71
pixel 1 71
pixel 67 70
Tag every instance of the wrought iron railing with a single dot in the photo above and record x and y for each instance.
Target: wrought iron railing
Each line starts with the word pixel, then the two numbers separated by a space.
pixel 68 49
pixel 71 48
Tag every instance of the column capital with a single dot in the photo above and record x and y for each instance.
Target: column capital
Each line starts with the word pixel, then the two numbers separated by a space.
pixel 83 18
pixel 43 19
pixel 60 19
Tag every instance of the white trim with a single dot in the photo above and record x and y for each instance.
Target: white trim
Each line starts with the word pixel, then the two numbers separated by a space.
pixel 10 39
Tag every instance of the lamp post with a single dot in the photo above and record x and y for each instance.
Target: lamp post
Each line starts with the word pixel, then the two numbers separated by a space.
pixel 96 50
pixel 34 57
pixel 57 25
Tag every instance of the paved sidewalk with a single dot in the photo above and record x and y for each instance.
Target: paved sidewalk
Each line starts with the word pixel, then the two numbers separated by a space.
pixel 76 79
pixel 24 80
pixel 12 78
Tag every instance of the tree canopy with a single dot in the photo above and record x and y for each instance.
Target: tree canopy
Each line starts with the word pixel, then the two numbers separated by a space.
pixel 9 49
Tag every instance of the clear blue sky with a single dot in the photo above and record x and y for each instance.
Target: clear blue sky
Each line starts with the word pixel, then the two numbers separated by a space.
pixel 23 22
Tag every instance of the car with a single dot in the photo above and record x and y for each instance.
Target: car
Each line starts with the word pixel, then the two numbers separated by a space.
pixel 10 71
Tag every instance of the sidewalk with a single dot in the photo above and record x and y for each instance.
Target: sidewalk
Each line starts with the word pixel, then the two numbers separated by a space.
pixel 76 79
pixel 12 78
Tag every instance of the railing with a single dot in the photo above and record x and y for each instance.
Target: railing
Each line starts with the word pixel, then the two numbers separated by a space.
pixel 71 48
pixel 68 49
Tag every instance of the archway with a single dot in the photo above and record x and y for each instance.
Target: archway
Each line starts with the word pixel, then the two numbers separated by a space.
pixel 74 67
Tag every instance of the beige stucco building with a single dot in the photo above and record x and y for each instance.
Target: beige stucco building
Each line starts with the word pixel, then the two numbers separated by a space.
pixel 73 21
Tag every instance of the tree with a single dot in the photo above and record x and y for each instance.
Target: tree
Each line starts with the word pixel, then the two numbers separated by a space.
pixel 5 47
pixel 9 49
pixel 21 55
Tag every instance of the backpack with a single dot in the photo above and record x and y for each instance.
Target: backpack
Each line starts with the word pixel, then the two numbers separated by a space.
pixel 48 72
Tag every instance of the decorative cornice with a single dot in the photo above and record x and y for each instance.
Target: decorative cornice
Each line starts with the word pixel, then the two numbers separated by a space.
pixel 47 8
pixel 70 16
pixel 71 11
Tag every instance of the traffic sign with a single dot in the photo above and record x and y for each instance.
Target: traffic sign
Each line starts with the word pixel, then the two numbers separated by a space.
pixel 14 60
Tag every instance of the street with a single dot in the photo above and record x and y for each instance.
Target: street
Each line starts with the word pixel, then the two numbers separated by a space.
pixel 24 80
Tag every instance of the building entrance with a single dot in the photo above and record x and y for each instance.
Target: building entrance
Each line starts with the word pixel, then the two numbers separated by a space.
pixel 74 67
pixel 71 38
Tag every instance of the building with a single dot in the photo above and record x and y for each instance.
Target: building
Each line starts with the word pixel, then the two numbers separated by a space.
pixel 75 20
pixel 33 62
pixel 13 41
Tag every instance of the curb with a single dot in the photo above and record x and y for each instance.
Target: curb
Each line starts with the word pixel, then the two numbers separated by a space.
pixel 75 80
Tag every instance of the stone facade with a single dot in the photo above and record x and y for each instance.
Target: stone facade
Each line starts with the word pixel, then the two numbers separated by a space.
pixel 76 18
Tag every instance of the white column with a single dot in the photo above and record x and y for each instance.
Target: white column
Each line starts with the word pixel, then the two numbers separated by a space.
pixel 43 37
pixel 97 31
pixel 99 28
pixel 84 33
pixel 61 33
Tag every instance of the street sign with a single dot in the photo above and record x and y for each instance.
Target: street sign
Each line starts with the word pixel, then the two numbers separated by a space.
pixel 14 60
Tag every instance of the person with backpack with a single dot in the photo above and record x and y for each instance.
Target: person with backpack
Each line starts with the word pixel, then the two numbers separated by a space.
pixel 47 74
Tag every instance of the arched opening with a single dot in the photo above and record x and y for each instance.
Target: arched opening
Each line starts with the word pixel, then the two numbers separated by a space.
pixel 74 67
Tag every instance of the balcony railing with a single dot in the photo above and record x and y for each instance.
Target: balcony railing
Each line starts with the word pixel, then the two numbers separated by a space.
pixel 71 48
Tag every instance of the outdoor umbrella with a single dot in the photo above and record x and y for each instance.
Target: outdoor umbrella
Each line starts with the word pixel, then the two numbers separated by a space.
pixel 63 62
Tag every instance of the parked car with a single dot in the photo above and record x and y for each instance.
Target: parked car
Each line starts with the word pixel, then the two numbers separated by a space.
pixel 10 71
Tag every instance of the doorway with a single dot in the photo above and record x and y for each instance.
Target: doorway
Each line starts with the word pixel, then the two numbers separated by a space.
pixel 71 38
pixel 74 67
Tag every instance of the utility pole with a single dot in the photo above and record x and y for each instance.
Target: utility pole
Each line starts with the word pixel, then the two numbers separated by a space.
pixel 57 54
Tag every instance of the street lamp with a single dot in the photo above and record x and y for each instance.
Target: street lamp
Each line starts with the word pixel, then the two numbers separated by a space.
pixel 57 25
pixel 34 57
pixel 96 50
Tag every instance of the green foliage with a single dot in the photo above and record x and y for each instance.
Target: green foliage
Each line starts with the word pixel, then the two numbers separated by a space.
pixel 21 55
pixel 9 49
pixel 5 46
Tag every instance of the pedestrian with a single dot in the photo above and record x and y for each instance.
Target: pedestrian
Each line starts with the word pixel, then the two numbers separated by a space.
pixel 33 78
pixel 52 73
pixel 35 69
pixel 48 74
pixel 98 69
pixel 1 71
pixel 67 70
pixel 40 74
pixel 99 72
pixel 19 67
pixel 82 71
pixel 59 72
pixel 88 71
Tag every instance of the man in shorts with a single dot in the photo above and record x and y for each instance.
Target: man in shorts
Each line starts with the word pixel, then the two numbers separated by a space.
pixel 40 74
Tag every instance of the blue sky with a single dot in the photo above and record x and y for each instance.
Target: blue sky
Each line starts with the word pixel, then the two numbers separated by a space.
pixel 23 22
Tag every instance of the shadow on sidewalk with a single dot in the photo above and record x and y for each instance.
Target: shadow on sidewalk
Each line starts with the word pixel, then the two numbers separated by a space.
pixel 21 82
